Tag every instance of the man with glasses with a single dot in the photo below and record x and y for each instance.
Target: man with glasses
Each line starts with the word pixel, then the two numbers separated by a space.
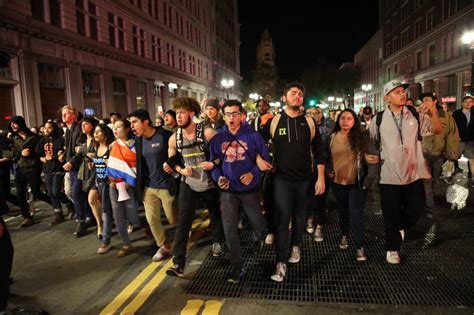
pixel 237 147
pixel 397 132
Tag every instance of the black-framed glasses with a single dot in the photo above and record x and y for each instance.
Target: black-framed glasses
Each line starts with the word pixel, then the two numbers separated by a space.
pixel 233 114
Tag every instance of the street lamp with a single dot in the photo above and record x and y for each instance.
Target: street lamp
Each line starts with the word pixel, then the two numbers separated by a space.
pixel 255 96
pixel 227 84
pixel 339 99
pixel 468 39
pixel 366 88
pixel 331 99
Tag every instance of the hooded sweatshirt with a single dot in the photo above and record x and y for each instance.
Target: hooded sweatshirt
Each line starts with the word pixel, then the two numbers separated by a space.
pixel 52 145
pixel 24 163
pixel 237 155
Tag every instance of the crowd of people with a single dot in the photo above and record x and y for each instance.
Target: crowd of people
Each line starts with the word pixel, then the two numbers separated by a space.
pixel 274 170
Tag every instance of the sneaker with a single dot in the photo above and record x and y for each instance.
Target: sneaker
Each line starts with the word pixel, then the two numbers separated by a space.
pixel 175 271
pixel 393 257
pixel 310 226
pixel 27 222
pixel 344 243
pixel 236 275
pixel 58 218
pixel 161 254
pixel 71 213
pixel 81 229
pixel 280 272
pixel 130 229
pixel 402 234
pixel 318 234
pixel 257 247
pixel 361 255
pixel 217 250
pixel 295 255
pixel 104 248
pixel 449 180
pixel 124 251
pixel 269 239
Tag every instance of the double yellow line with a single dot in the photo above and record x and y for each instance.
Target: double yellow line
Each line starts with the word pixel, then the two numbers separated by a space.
pixel 212 307
pixel 143 294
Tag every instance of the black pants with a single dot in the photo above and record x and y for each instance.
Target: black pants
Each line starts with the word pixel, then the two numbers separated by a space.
pixel 186 210
pixel 22 180
pixel 316 205
pixel 55 185
pixel 6 260
pixel 402 206
pixel 4 191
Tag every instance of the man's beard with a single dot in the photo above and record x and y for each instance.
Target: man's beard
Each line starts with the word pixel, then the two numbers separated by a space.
pixel 186 125
pixel 294 107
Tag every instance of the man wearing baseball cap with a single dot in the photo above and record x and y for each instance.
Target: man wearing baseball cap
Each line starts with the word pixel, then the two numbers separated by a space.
pixel 397 132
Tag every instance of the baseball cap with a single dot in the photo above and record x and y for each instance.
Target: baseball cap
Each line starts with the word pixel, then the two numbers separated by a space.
pixel 392 85
pixel 428 94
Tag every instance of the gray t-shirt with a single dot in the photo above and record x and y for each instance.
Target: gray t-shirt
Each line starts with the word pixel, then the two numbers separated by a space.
pixel 401 165
pixel 468 115
pixel 155 154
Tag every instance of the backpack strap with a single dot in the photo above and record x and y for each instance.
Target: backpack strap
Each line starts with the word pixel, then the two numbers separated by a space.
pixel 417 116
pixel 312 126
pixel 378 122
pixel 200 139
pixel 274 124
pixel 179 140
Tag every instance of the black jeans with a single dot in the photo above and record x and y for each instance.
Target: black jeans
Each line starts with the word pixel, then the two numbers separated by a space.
pixel 6 260
pixel 54 185
pixel 230 205
pixel 289 199
pixel 186 210
pixel 80 198
pixel 350 200
pixel 22 180
pixel 316 205
pixel 402 206
pixel 4 191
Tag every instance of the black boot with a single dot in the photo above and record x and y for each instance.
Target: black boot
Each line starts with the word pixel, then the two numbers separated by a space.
pixel 58 218
pixel 81 229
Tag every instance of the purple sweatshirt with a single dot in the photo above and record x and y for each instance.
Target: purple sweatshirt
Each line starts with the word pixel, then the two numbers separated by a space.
pixel 237 155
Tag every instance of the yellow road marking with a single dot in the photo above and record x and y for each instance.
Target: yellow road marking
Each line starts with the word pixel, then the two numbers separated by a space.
pixel 201 224
pixel 130 289
pixel 192 307
pixel 145 293
pixel 213 307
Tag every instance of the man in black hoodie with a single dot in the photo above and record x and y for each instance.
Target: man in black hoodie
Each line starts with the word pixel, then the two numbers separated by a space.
pixel 293 136
pixel 28 166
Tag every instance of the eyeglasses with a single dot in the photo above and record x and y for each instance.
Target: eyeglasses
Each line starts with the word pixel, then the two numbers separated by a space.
pixel 233 114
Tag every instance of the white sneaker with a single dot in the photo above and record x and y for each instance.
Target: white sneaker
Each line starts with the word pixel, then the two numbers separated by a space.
pixel 217 250
pixel 280 272
pixel 393 257
pixel 310 226
pixel 269 239
pixel 402 233
pixel 318 234
pixel 295 255
pixel 161 254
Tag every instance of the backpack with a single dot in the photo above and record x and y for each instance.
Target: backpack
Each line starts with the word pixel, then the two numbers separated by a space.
pixel 309 120
pixel 200 140
pixel 378 122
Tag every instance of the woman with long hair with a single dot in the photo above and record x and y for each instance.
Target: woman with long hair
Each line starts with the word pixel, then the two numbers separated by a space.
pixel 51 147
pixel 103 137
pixel 121 170
pixel 348 147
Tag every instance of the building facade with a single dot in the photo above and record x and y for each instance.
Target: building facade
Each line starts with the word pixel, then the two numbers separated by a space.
pixel 113 55
pixel 422 45
pixel 369 61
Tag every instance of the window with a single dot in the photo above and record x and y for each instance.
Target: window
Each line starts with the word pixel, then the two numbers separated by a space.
pixel 395 44
pixel 55 12
pixel 388 73
pixel 395 21
pixel 119 86
pixel 418 30
pixel 387 49
pixel 37 9
pixel 429 19
pixel 418 3
pixel 50 76
pixel 116 31
pixel 431 50
pixel 90 82
pixel 404 11
pixel 165 7
pixel 449 8
pixel 405 37
pixel 141 94
pixel 419 60
pixel 86 19
pixel 156 48
pixel 138 41
pixel 395 69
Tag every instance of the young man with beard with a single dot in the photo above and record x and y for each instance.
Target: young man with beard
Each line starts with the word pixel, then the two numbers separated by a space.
pixel 294 136
pixel 464 118
pixel 188 151
pixel 237 147
pixel 152 181
pixel 28 166
pixel 398 137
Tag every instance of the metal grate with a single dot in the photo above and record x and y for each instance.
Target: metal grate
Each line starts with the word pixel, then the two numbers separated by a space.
pixel 439 273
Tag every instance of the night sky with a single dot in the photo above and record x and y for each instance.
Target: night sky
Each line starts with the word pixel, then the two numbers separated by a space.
pixel 303 36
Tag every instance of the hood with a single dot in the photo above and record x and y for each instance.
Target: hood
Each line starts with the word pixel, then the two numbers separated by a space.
pixel 20 121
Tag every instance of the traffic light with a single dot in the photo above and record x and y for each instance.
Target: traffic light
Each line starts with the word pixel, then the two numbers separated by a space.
pixel 312 102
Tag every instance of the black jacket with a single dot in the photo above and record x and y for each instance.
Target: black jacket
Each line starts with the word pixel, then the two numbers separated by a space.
pixel 466 132
pixel 52 145
pixel 74 138
pixel 5 145
pixel 141 160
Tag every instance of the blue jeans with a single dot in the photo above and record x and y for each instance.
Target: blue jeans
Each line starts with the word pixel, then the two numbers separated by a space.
pixel 54 184
pixel 103 188
pixel 124 212
pixel 350 201
pixel 79 198
pixel 290 198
